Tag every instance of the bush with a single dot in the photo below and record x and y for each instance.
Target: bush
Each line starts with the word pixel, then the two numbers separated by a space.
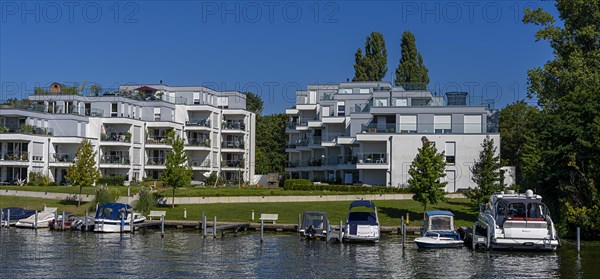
pixel 146 201
pixel 306 185
pixel 38 179
pixel 103 196
pixel 111 180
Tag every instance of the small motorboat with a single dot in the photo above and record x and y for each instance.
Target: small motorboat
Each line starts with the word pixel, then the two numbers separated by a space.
pixel 438 231
pixel 43 220
pixel 16 213
pixel 314 225
pixel 362 224
pixel 114 217
pixel 69 221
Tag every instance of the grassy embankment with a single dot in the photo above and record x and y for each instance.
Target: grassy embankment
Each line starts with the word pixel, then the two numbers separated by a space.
pixel 389 212
pixel 122 190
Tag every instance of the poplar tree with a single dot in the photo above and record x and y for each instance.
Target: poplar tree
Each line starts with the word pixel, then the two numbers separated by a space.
pixel 83 171
pixel 177 171
pixel 411 72
pixel 372 66
pixel 426 173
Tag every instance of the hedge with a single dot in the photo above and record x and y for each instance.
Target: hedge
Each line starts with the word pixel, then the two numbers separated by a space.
pixel 111 180
pixel 306 185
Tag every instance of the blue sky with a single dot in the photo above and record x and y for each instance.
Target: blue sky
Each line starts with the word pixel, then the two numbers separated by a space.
pixel 271 48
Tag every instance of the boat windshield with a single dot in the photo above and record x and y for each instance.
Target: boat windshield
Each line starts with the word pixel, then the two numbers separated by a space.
pixel 440 223
pixel 317 221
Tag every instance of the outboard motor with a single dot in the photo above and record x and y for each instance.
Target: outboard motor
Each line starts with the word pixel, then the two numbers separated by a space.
pixel 311 231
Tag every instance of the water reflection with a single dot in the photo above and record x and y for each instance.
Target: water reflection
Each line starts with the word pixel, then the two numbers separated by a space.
pixel 27 253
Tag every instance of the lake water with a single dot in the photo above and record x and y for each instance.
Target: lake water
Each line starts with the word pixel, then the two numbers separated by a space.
pixel 47 254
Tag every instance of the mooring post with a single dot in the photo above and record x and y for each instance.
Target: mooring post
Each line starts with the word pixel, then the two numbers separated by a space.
pixel 262 225
pixel 132 224
pixel 185 213
pixel 203 224
pixel 55 220
pixel 97 206
pixel 578 239
pixel 299 222
pixel 86 220
pixel 252 214
pixel 162 226
pixel 473 238
pixel 8 219
pixel 402 226
pixel 214 226
pixel 341 235
pixel 36 220
pixel 122 223
pixel 1 218
pixel 62 224
pixel 407 219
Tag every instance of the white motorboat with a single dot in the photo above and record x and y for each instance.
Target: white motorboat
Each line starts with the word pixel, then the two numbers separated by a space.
pixel 362 224
pixel 515 221
pixel 314 225
pixel 43 220
pixel 114 217
pixel 438 231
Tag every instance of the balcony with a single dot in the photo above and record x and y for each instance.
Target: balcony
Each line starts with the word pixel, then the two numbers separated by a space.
pixel 62 157
pixel 77 111
pixel 199 163
pixel 116 137
pixel 379 128
pixel 372 158
pixel 198 123
pixel 115 159
pixel 199 142
pixel 232 163
pixel 291 125
pixel 314 140
pixel 156 161
pixel 159 140
pixel 234 125
pixel 27 129
pixel 16 156
pixel 233 144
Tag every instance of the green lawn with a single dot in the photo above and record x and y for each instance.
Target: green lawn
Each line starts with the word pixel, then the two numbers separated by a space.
pixel 389 212
pixel 234 191
pixel 70 189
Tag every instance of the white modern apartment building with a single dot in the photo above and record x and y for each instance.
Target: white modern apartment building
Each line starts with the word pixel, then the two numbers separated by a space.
pixel 370 132
pixel 130 130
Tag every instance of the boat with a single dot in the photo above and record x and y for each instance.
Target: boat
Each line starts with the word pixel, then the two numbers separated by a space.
pixel 438 231
pixel 69 221
pixel 43 219
pixel 515 222
pixel 314 225
pixel 16 213
pixel 112 217
pixel 362 224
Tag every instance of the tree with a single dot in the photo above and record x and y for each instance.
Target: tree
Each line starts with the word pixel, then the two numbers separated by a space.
pixel 411 72
pixel 518 127
pixel 270 144
pixel 254 103
pixel 567 87
pixel 83 171
pixel 426 173
pixel 177 171
pixel 486 173
pixel 371 66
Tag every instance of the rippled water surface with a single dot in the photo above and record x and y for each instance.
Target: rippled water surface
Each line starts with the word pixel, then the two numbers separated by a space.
pixel 34 254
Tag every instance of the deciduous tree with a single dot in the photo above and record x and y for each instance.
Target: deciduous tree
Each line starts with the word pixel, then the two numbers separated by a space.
pixel 177 171
pixel 426 173
pixel 83 171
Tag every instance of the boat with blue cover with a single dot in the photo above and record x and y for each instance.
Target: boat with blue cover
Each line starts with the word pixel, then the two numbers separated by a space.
pixel 362 224
pixel 438 231
pixel 16 214
pixel 110 217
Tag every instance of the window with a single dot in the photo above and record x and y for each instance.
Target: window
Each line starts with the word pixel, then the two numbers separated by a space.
pixel 442 124
pixel 400 102
pixel 472 124
pixel 223 102
pixel 113 110
pixel 341 108
pixel 364 91
pixel 156 114
pixel 408 124
pixel 345 91
pixel 380 102
pixel 196 98
pixel 450 152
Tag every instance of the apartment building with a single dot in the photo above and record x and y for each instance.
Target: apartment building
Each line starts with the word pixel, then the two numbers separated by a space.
pixel 370 132
pixel 131 129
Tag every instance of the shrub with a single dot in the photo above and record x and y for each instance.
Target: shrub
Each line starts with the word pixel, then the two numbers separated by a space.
pixel 146 201
pixel 103 196
pixel 111 180
pixel 38 179
pixel 306 185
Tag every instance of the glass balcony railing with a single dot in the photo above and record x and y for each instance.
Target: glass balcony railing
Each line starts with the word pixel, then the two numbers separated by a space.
pixel 16 156
pixel 156 161
pixel 198 142
pixel 115 159
pixel 372 158
pixel 62 157
pixel 159 140
pixel 199 162
pixel 234 125
pixel 379 128
pixel 119 137
pixel 198 122
pixel 232 163
pixel 233 144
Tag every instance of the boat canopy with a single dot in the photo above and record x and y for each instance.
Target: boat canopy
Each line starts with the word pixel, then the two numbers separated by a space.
pixel 364 203
pixel 439 212
pixel 112 211
pixel 317 219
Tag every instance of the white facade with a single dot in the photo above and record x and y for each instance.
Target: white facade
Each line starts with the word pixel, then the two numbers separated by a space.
pixel 370 132
pixel 128 130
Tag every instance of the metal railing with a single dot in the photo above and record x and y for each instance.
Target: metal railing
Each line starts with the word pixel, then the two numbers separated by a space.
pixel 61 157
